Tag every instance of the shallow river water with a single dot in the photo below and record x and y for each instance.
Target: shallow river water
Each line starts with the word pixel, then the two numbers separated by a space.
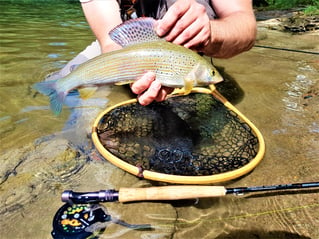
pixel 277 90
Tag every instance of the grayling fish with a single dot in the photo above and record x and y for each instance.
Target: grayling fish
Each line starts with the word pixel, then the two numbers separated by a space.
pixel 174 65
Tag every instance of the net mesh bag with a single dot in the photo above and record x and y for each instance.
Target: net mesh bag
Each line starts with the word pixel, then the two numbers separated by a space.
pixel 190 135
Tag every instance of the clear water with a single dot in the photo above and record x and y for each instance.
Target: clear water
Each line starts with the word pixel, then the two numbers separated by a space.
pixel 38 163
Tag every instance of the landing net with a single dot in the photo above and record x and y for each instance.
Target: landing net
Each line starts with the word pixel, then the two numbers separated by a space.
pixel 194 138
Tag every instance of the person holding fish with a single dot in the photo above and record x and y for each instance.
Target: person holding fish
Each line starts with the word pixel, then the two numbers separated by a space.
pixel 215 28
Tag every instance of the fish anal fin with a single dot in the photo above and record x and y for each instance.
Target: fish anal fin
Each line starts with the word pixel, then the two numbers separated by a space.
pixel 123 82
pixel 87 92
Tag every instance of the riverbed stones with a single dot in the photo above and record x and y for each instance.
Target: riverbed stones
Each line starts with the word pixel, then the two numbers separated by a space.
pixel 35 174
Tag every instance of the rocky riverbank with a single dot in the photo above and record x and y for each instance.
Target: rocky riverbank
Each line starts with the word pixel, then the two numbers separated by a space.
pixel 293 20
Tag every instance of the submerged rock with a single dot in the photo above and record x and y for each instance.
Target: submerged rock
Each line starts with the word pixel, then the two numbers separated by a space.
pixel 33 177
pixel 31 170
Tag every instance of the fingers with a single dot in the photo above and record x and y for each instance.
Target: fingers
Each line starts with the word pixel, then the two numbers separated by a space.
pixel 199 41
pixel 150 94
pixel 194 36
pixel 149 89
pixel 186 23
pixel 163 92
pixel 182 30
pixel 139 86
pixel 169 20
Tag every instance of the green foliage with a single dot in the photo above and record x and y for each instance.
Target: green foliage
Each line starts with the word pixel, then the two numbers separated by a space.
pixel 312 10
pixel 311 7
pixel 285 4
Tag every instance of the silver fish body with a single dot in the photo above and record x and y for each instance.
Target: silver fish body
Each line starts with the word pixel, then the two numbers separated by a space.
pixel 174 65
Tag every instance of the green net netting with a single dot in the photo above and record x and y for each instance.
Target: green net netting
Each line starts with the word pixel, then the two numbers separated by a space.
pixel 192 135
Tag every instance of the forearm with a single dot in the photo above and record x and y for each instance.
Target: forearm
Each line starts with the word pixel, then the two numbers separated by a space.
pixel 231 35
pixel 234 31
pixel 102 17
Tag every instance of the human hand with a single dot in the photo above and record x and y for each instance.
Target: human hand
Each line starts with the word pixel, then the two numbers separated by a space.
pixel 149 89
pixel 186 23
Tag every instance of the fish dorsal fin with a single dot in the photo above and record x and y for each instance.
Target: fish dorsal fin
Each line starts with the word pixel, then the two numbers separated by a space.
pixel 135 31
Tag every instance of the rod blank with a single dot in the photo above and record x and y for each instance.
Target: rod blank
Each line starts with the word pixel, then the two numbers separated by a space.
pixel 242 190
pixel 171 193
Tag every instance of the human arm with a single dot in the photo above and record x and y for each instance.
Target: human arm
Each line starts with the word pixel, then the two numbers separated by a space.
pixel 234 31
pixel 102 17
pixel 186 23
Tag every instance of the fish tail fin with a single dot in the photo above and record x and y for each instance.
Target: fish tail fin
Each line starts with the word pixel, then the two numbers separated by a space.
pixel 56 97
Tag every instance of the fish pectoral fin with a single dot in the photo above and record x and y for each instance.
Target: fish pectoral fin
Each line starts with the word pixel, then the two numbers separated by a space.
pixel 123 82
pixel 188 85
pixel 87 92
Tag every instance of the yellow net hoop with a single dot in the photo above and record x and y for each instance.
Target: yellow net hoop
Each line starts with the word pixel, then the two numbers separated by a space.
pixel 181 179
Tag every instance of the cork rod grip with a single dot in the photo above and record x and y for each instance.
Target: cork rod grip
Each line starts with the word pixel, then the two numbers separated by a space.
pixel 170 193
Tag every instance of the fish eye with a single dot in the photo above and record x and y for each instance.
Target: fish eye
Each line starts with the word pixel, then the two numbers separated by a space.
pixel 213 72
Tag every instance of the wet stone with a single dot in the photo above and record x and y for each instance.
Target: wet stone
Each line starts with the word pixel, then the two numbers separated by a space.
pixel 31 170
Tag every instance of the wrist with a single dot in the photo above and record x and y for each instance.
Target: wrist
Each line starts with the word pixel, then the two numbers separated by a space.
pixel 231 36
pixel 213 48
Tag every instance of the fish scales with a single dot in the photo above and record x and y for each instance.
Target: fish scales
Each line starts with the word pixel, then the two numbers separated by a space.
pixel 173 65
pixel 132 62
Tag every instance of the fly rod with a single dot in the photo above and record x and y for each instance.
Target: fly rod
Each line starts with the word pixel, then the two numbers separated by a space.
pixel 171 193
pixel 287 49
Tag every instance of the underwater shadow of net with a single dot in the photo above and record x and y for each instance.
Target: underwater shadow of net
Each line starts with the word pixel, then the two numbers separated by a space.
pixel 190 135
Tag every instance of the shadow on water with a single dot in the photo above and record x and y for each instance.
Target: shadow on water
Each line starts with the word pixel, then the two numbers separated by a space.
pixel 229 87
